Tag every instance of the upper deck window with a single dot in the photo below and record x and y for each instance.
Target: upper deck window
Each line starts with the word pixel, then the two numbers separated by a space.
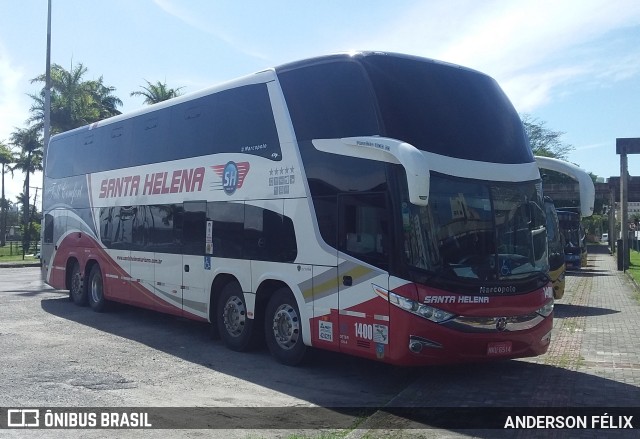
pixel 238 120
pixel 330 100
pixel 436 107
pixel 446 110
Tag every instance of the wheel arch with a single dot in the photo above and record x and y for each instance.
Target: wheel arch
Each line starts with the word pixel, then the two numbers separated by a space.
pixel 89 265
pixel 218 283
pixel 263 293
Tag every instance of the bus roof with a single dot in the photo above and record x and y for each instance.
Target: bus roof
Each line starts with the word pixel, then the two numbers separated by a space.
pixel 585 183
pixel 364 54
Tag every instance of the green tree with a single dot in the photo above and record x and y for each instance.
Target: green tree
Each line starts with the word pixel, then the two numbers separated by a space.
pixel 543 141
pixel 104 101
pixel 6 158
pixel 596 224
pixel 74 101
pixel 158 92
pixel 547 143
pixel 28 161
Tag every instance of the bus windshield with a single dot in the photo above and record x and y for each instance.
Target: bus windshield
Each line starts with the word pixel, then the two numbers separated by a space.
pixel 486 231
pixel 572 230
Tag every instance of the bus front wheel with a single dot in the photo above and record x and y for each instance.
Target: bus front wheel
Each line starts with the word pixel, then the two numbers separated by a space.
pixel 283 328
pixel 235 328
pixel 77 291
pixel 97 302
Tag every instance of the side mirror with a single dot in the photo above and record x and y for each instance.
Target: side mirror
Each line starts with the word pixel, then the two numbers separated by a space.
pixel 388 150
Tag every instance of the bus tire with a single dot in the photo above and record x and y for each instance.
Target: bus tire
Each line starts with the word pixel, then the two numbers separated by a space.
pixel 95 289
pixel 235 328
pixel 283 328
pixel 77 290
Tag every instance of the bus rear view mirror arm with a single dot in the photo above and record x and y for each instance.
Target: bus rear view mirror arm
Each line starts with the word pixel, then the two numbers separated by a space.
pixel 388 150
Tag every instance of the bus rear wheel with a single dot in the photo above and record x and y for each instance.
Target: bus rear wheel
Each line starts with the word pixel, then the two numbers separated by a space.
pixel 95 287
pixel 283 328
pixel 77 291
pixel 235 328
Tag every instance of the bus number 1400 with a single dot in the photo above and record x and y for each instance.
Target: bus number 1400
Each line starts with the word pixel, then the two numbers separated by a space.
pixel 364 330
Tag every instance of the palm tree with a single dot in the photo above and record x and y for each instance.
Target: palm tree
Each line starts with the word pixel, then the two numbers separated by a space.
pixel 104 101
pixel 158 92
pixel 74 101
pixel 28 161
pixel 6 157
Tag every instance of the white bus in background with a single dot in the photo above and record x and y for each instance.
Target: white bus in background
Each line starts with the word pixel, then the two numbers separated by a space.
pixel 587 194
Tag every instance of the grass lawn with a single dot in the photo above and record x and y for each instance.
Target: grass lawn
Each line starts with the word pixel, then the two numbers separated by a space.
pixel 12 252
pixel 634 270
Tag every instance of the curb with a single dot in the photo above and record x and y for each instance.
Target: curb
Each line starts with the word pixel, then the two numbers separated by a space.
pixel 19 264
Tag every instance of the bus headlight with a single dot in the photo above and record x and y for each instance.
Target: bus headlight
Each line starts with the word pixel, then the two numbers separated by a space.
pixel 546 310
pixel 426 312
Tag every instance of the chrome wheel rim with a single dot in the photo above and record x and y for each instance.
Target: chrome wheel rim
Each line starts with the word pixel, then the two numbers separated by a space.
pixel 234 315
pixel 286 326
pixel 96 289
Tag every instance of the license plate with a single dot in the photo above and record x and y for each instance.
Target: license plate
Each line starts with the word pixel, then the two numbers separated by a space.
pixel 499 348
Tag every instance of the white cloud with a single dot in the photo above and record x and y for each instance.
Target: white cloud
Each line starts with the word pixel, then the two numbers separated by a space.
pixel 624 68
pixel 12 99
pixel 531 47
pixel 207 23
pixel 14 106
pixel 592 146
pixel 529 91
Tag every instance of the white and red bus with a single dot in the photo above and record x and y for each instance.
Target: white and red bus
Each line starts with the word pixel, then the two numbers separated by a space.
pixel 381 205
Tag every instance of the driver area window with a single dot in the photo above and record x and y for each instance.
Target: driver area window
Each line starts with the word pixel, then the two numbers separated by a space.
pixel 364 228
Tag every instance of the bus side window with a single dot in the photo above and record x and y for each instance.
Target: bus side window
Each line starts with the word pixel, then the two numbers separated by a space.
pixel 106 228
pixel 47 236
pixel 165 228
pixel 364 227
pixel 237 109
pixel 194 227
pixel 116 141
pixel 228 228
pixel 326 213
pixel 58 159
pixel 151 138
pixel 268 236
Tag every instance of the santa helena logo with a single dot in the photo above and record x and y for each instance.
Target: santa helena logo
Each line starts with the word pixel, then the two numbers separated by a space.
pixel 232 175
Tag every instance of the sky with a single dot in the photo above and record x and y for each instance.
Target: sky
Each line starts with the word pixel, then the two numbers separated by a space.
pixel 572 64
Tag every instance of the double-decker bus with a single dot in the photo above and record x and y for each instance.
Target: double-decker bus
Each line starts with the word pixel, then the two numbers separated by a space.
pixel 380 205
pixel 556 234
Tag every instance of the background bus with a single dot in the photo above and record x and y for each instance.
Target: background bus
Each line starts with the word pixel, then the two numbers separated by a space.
pixel 380 205
pixel 555 234
pixel 555 239
pixel 575 240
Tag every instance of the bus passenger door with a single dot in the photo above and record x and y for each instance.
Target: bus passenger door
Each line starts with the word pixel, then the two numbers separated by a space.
pixel 363 279
pixel 320 290
pixel 194 259
pixel 167 257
